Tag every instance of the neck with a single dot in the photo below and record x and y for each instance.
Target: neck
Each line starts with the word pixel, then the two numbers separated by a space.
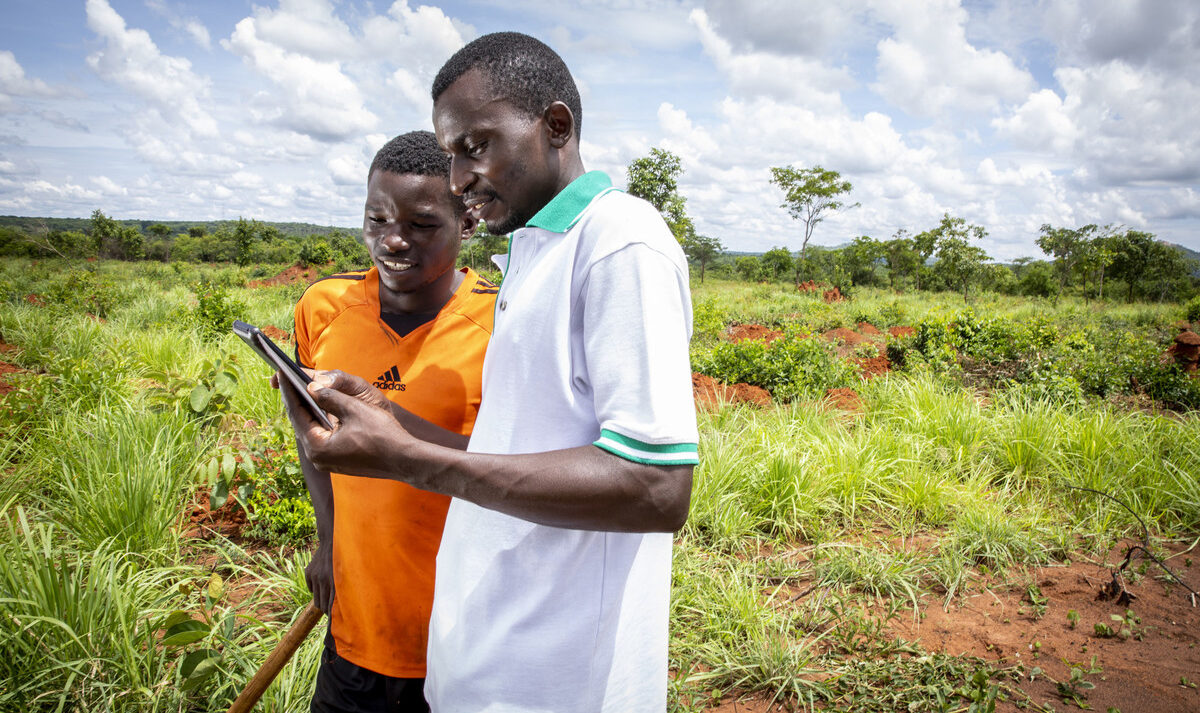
pixel 429 300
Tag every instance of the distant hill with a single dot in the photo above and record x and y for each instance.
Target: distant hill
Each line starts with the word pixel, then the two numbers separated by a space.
pixel 30 226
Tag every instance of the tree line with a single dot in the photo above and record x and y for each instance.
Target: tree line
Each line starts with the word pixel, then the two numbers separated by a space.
pixel 944 257
pixel 244 242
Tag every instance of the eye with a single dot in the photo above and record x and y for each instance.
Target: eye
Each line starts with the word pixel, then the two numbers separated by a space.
pixel 475 150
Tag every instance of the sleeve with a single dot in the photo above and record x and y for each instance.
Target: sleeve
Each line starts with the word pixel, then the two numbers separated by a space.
pixel 636 326
pixel 303 332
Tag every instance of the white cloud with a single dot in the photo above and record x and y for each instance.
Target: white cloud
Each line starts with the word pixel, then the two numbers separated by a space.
pixel 928 67
pixel 1042 123
pixel 753 73
pixel 347 170
pixel 131 59
pixel 109 187
pixel 13 81
pixel 317 99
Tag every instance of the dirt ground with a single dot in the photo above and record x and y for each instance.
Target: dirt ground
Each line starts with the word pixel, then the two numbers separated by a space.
pixel 295 273
pixel 1155 668
pixel 6 368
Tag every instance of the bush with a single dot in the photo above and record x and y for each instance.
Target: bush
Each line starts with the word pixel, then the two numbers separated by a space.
pixel 84 291
pixel 791 367
pixel 315 251
pixel 1191 311
pixel 215 309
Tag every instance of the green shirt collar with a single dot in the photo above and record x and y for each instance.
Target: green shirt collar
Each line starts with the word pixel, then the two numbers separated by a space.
pixel 565 208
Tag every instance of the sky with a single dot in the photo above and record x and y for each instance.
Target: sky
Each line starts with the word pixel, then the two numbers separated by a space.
pixel 1009 115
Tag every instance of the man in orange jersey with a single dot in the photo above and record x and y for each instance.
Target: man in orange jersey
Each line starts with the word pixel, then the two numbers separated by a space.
pixel 416 329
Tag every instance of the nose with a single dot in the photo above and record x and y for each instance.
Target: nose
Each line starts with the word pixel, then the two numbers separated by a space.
pixel 460 177
pixel 395 241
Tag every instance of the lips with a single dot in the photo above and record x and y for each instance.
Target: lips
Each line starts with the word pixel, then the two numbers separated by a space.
pixel 477 202
pixel 397 265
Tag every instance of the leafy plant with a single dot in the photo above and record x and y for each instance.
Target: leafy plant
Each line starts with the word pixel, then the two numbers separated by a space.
pixel 205 398
pixel 215 309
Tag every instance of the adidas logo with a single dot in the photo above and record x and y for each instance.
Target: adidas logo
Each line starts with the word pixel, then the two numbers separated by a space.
pixel 390 381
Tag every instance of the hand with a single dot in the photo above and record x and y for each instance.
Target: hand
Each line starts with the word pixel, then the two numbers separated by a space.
pixel 318 575
pixel 367 438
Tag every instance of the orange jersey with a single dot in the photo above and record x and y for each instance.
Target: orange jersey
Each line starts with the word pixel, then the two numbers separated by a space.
pixel 385 533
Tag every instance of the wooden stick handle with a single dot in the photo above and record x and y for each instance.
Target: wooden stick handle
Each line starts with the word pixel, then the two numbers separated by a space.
pixel 275 662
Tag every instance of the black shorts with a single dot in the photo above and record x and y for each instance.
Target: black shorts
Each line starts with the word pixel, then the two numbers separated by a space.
pixel 344 687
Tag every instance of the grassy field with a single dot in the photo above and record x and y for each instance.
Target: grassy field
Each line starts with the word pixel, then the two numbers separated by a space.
pixel 812 530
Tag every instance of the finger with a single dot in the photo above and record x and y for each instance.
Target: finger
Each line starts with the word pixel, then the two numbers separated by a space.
pixel 307 428
pixel 350 384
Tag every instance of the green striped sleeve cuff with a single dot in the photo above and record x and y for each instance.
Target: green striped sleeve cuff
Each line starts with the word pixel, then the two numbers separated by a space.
pixel 649 453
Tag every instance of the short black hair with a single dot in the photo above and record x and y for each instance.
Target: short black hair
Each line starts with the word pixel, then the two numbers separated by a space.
pixel 522 70
pixel 416 152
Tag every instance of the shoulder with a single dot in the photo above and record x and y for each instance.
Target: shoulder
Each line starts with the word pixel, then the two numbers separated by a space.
pixel 324 299
pixel 617 220
pixel 478 300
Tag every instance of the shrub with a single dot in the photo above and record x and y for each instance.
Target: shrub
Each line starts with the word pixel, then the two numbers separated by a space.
pixel 1191 311
pixel 85 291
pixel 707 319
pixel 315 251
pixel 791 367
pixel 215 309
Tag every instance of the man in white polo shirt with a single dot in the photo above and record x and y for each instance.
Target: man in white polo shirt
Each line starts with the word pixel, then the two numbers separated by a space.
pixel 552 583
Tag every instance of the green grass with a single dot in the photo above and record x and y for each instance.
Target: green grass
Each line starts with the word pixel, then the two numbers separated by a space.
pixel 809 530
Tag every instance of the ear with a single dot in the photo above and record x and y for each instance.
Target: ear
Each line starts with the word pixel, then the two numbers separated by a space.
pixel 560 124
pixel 468 225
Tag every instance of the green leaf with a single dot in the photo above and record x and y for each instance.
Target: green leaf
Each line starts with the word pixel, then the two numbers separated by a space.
pixel 248 462
pixel 228 466
pixel 204 667
pixel 185 632
pixel 244 491
pixel 224 385
pixel 192 660
pixel 216 587
pixel 219 494
pixel 174 618
pixel 199 398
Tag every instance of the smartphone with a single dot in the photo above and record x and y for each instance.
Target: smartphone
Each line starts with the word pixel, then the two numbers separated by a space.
pixel 282 363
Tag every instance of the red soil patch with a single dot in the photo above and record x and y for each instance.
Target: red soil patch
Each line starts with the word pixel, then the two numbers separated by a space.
pixel 868 329
pixel 834 295
pixel 710 393
pixel 294 274
pixel 5 370
pixel 203 522
pixel 848 337
pixel 844 399
pixel 1138 674
pixel 35 300
pixel 276 333
pixel 744 332
pixel 809 286
pixel 1146 672
pixel 901 331
pixel 6 347
pixel 873 366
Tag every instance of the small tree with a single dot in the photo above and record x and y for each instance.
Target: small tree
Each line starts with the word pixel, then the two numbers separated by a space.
pixel 749 268
pixel 900 256
pixel 958 262
pixel 809 194
pixel 776 263
pixel 655 179
pixel 702 249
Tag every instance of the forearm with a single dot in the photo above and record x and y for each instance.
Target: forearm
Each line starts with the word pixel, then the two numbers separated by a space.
pixel 320 492
pixel 427 431
pixel 582 488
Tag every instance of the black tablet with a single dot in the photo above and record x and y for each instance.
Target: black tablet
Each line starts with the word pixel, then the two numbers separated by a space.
pixel 282 363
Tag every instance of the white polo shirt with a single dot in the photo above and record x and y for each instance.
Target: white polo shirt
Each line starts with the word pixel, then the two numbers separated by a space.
pixel 590 346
